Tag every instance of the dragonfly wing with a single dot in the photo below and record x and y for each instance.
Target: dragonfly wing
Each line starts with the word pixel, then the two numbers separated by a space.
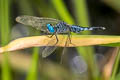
pixel 68 41
pixel 37 22
pixel 48 50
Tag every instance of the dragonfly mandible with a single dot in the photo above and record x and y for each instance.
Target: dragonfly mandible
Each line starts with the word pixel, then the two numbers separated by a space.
pixel 53 27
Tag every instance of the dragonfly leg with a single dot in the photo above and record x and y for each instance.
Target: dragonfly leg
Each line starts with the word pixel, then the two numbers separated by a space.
pixel 56 38
pixel 51 35
pixel 47 50
pixel 69 37
pixel 64 49
pixel 66 44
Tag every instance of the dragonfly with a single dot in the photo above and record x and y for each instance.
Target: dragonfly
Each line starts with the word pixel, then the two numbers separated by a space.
pixel 53 27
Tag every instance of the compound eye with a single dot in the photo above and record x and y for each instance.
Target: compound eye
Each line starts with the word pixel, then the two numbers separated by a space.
pixel 49 25
pixel 50 28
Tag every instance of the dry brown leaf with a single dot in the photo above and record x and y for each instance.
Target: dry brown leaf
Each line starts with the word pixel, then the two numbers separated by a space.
pixel 35 41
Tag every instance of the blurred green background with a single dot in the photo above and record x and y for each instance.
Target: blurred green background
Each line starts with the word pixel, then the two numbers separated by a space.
pixel 81 63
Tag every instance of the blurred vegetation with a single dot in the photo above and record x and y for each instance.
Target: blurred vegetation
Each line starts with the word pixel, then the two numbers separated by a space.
pixel 22 65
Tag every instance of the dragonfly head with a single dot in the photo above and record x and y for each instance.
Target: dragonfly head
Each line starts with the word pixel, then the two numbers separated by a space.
pixel 50 28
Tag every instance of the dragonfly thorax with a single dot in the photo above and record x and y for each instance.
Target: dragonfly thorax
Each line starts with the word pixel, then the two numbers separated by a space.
pixel 62 27
pixel 50 28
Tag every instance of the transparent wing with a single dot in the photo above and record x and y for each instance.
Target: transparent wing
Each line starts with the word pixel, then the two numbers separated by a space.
pixel 68 41
pixel 37 22
pixel 48 50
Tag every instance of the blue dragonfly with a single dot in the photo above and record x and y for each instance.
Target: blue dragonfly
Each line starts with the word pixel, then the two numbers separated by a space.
pixel 53 27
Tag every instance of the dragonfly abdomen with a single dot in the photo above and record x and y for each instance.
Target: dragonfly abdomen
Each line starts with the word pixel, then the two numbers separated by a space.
pixel 78 29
